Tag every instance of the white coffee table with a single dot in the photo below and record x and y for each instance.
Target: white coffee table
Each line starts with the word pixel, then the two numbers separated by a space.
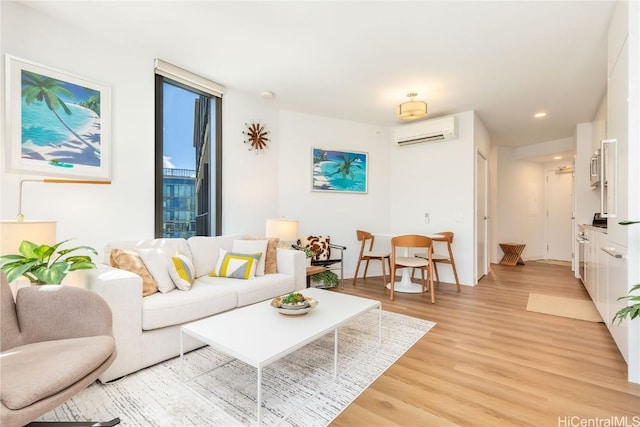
pixel 258 335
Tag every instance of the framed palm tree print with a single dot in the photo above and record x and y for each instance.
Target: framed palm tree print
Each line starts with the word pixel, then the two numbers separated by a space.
pixel 58 124
pixel 339 171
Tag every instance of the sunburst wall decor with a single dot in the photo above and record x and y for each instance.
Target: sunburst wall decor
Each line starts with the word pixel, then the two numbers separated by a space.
pixel 256 136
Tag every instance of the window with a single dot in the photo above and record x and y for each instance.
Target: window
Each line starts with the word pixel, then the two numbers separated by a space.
pixel 188 155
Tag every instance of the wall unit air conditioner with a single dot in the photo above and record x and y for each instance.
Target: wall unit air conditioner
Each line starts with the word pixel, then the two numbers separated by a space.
pixel 433 130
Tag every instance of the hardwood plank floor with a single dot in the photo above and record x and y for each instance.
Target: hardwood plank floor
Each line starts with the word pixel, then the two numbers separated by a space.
pixel 490 362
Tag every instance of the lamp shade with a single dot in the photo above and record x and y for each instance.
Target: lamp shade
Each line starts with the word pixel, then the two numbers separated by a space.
pixel 12 233
pixel 284 229
pixel 411 109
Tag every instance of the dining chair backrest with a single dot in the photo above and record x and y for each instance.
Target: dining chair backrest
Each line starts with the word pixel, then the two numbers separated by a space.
pixel 411 241
pixel 367 254
pixel 445 258
pixel 364 237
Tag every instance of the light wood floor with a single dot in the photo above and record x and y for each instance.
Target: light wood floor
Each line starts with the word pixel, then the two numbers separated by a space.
pixel 489 362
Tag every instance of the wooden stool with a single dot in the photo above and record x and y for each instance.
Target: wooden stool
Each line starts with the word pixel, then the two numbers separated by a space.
pixel 512 253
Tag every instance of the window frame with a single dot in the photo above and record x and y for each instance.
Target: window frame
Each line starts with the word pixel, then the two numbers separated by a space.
pixel 215 165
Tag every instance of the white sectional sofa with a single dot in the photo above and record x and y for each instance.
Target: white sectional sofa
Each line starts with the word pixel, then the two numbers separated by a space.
pixel 147 329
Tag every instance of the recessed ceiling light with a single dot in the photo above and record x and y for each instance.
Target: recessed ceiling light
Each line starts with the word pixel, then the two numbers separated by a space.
pixel 540 115
pixel 557 158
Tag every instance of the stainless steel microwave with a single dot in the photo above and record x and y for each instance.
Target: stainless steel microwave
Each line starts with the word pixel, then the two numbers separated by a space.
pixel 596 173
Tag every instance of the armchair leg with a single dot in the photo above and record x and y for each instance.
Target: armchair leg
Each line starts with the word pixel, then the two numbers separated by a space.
pixel 110 423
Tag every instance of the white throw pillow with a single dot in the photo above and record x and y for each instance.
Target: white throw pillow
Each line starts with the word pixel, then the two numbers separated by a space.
pixel 252 246
pixel 236 265
pixel 157 262
pixel 181 271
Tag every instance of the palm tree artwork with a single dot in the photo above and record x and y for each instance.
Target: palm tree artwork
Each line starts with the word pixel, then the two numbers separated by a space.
pixel 38 89
pixel 339 171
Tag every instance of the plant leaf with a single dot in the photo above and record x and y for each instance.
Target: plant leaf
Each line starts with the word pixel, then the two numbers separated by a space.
pixel 53 274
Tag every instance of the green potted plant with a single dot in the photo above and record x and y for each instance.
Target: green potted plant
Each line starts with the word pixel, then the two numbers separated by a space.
pixel 326 279
pixel 44 263
pixel 632 311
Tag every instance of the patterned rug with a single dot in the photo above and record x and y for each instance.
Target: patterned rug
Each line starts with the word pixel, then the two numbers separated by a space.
pixel 298 390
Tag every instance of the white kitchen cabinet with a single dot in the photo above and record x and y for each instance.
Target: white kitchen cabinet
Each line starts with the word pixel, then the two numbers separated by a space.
pixel 616 267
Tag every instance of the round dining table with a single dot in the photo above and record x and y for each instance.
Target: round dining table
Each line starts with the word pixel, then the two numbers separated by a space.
pixel 405 285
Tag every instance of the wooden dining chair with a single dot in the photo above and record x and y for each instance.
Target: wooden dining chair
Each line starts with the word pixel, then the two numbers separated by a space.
pixel 411 261
pixel 367 253
pixel 441 257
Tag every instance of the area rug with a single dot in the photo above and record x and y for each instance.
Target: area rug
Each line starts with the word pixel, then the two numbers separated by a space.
pixel 298 390
pixel 565 307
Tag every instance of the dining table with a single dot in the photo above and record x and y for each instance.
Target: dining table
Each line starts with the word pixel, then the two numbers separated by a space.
pixel 405 284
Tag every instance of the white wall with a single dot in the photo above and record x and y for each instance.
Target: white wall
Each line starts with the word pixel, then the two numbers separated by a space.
pixel 335 214
pixel 97 214
pixel 520 211
pixel 438 179
pixel 93 214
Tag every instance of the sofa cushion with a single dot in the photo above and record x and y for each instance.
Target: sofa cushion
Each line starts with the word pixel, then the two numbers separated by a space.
pixel 244 246
pixel 264 287
pixel 157 262
pixel 36 371
pixel 204 252
pixel 176 307
pixel 235 265
pixel 181 271
pixel 131 261
pixel 270 260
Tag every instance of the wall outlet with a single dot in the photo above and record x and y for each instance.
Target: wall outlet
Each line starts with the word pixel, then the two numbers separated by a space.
pixel 426 218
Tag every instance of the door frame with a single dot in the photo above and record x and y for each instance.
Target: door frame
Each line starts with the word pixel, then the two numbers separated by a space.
pixel 481 227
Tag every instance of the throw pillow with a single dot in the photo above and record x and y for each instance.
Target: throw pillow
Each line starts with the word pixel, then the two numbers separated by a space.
pixel 236 265
pixel 131 261
pixel 157 262
pixel 319 244
pixel 182 271
pixel 270 258
pixel 250 247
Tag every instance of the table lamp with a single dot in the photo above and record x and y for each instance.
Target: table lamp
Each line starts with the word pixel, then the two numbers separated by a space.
pixel 284 229
pixel 12 233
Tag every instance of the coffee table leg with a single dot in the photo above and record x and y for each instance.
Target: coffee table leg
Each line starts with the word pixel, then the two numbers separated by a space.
pixel 335 355
pixel 259 393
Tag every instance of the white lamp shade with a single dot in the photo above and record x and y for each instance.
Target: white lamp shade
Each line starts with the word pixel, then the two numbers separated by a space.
pixel 12 233
pixel 412 110
pixel 284 229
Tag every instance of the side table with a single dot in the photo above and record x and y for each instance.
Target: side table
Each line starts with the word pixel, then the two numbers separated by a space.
pixel 512 253
pixel 315 269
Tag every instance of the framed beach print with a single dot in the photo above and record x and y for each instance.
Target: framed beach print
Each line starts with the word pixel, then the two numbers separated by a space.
pixel 57 124
pixel 339 171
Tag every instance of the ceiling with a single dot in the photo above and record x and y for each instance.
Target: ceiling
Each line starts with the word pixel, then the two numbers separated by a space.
pixel 357 60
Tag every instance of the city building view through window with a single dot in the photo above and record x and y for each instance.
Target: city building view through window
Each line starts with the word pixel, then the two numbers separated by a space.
pixel 179 162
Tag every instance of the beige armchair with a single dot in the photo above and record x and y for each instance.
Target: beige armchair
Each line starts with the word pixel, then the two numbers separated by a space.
pixel 54 342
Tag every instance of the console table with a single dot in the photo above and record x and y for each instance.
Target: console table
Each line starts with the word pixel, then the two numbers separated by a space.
pixel 512 253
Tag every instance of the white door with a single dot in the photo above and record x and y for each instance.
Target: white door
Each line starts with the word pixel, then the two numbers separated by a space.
pixel 559 212
pixel 482 266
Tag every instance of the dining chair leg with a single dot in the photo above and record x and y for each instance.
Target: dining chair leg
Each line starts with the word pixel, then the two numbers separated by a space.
pixel 435 269
pixel 366 267
pixel 355 276
pixel 424 285
pixel 384 276
pixel 391 281
pixel 455 274
pixel 433 291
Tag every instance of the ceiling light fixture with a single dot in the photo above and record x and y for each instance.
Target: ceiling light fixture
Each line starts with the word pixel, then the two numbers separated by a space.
pixel 540 115
pixel 412 110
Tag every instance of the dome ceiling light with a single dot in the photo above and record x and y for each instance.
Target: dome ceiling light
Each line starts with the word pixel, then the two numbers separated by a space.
pixel 412 110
